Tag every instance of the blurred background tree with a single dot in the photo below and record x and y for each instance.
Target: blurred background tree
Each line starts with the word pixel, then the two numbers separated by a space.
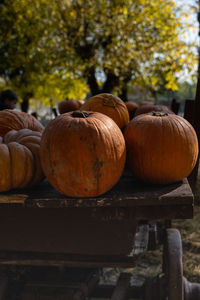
pixel 53 49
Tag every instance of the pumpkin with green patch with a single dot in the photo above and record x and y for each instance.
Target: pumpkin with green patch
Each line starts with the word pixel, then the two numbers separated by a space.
pixel 82 153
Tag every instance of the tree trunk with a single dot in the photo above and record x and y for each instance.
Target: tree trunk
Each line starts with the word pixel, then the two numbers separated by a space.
pixel 124 92
pixel 111 82
pixel 123 95
pixel 25 105
pixel 92 82
pixel 25 102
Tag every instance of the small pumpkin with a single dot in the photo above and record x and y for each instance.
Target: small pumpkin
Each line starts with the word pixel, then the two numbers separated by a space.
pixel 110 105
pixel 82 153
pixel 162 148
pixel 146 108
pixel 132 107
pixel 68 105
pixel 145 102
pixel 20 159
pixel 13 119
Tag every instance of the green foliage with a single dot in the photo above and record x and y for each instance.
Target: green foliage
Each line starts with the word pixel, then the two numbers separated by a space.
pixel 56 88
pixel 139 41
pixel 103 44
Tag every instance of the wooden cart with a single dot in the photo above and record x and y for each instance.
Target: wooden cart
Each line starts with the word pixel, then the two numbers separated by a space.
pixel 40 227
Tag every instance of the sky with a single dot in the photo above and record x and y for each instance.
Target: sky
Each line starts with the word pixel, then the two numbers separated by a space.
pixel 192 34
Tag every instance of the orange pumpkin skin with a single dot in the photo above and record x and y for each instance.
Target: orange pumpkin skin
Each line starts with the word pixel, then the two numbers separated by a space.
pixel 20 159
pixel 145 102
pixel 12 119
pixel 162 148
pixel 110 105
pixel 143 109
pixel 132 107
pixel 82 156
pixel 68 105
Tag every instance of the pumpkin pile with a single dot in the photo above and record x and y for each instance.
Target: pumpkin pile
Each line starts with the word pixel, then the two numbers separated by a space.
pixel 82 153
pixel 20 159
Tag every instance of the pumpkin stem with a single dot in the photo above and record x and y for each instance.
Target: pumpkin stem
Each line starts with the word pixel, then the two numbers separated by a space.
pixel 80 114
pixel 159 113
pixel 110 101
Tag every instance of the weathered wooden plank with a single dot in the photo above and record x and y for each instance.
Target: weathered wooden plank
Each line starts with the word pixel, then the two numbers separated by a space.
pixel 106 291
pixel 80 231
pixel 126 193
pixel 148 212
pixel 82 261
pixel 76 260
pixel 3 287
pixel 76 231
pixel 52 284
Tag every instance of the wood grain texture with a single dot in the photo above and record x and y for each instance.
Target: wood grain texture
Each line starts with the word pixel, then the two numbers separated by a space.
pixel 41 220
pixel 128 192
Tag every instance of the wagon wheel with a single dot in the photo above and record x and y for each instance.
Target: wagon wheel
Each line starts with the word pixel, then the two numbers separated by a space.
pixel 172 264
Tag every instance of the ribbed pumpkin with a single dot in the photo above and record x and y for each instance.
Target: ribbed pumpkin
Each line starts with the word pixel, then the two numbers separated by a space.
pixel 110 105
pixel 162 148
pixel 20 159
pixel 132 107
pixel 146 108
pixel 68 105
pixel 82 153
pixel 13 119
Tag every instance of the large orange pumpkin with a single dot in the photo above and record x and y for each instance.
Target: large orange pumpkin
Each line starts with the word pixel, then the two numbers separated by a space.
pixel 13 119
pixel 20 159
pixel 162 148
pixel 82 153
pixel 110 105
pixel 68 105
